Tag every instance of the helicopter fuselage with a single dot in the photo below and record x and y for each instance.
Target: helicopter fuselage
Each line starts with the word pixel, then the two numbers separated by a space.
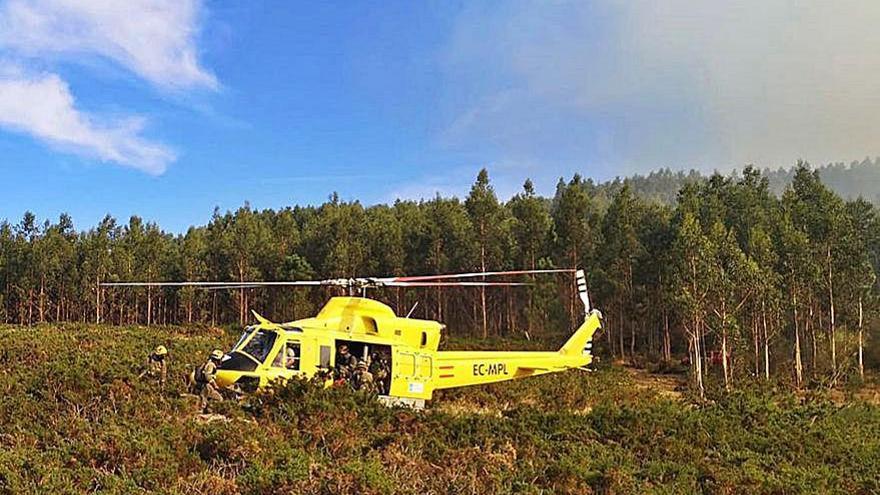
pixel 269 352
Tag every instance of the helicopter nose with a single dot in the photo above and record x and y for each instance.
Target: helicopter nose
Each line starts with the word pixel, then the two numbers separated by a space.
pixel 226 378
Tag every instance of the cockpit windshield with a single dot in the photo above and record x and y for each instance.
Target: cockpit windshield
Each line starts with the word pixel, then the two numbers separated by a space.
pixel 244 335
pixel 260 345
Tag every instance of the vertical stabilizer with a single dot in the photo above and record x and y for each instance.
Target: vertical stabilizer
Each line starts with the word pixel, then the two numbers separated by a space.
pixel 581 342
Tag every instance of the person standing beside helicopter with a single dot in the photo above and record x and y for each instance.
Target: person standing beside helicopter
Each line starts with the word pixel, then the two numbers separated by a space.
pixel 205 381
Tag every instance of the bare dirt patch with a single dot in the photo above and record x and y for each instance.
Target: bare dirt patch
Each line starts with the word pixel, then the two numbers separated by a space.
pixel 665 385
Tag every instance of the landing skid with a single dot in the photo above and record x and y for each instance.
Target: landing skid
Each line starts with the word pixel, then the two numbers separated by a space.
pixel 416 404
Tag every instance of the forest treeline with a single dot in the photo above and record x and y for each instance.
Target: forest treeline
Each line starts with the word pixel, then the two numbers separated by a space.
pixel 858 179
pixel 731 279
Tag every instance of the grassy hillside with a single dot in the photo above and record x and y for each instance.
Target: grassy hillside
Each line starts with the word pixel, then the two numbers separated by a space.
pixel 74 419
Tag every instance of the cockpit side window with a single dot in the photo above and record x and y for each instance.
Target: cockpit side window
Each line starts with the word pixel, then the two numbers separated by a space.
pixel 288 356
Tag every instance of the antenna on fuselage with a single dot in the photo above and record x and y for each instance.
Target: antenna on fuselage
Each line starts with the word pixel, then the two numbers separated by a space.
pixel 416 305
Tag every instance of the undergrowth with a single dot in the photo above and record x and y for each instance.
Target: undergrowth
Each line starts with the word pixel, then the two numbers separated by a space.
pixel 74 419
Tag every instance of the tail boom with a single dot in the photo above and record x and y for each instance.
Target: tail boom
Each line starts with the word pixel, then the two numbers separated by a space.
pixel 465 368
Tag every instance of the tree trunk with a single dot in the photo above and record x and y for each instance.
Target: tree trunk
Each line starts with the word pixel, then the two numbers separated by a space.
pixel 724 364
pixel 241 294
pixel 861 342
pixel 814 346
pixel 698 360
pixel 667 341
pixel 756 341
pixel 766 342
pixel 42 298
pixel 831 314
pixel 798 365
pixel 609 334
pixel 483 268
pixel 632 342
pixel 98 300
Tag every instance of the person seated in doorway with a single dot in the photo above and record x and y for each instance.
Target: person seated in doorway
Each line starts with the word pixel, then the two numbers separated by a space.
pixel 345 362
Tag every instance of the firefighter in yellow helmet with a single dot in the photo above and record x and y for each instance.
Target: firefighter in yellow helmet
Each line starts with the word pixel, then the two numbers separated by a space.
pixel 205 383
pixel 362 379
pixel 156 367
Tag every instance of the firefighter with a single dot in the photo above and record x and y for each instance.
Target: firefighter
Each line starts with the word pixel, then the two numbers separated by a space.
pixel 156 367
pixel 345 363
pixel 205 381
pixel 362 379
pixel 380 368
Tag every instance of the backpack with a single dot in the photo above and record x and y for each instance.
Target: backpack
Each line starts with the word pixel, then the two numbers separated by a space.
pixel 200 374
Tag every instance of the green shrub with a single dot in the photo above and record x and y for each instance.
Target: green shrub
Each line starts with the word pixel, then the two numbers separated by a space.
pixel 74 418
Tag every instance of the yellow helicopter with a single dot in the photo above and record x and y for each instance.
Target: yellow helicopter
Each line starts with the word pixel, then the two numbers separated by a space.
pixel 268 352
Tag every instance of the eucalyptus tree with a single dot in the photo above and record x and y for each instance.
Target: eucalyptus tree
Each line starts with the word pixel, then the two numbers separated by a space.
pixel 654 268
pixel 60 267
pixel 150 254
pixel 486 217
pixel 819 213
pixel 27 258
pixel 531 230
pixel 619 251
pixel 575 221
pixel 194 267
pixel 248 241
pixel 753 214
pixel 799 269
pixel 767 285
pixel 7 243
pixel 695 262
pixel 384 234
pixel 335 238
pixel 449 248
pixel 97 258
pixel 858 276
pixel 730 290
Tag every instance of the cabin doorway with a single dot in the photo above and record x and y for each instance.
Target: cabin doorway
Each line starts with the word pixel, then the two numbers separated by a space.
pixel 378 358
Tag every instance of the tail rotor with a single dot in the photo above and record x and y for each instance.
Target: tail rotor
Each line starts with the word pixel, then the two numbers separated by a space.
pixel 581 279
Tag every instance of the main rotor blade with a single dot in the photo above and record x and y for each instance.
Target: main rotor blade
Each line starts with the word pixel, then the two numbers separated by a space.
pixel 225 285
pixel 452 284
pixel 477 274
pixel 418 281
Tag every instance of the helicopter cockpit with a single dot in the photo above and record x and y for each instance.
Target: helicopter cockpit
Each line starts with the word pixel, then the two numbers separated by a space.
pixel 251 350
pixel 257 348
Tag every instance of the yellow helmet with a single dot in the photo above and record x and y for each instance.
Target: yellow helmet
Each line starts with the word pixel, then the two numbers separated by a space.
pixel 216 354
pixel 161 350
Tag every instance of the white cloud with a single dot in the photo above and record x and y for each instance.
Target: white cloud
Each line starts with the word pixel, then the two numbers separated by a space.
pixel 155 39
pixel 44 108
pixel 635 84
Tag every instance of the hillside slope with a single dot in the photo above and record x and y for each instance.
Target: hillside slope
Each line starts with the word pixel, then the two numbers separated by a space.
pixel 852 181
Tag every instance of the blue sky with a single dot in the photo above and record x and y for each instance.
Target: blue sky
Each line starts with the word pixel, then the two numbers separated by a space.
pixel 167 108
